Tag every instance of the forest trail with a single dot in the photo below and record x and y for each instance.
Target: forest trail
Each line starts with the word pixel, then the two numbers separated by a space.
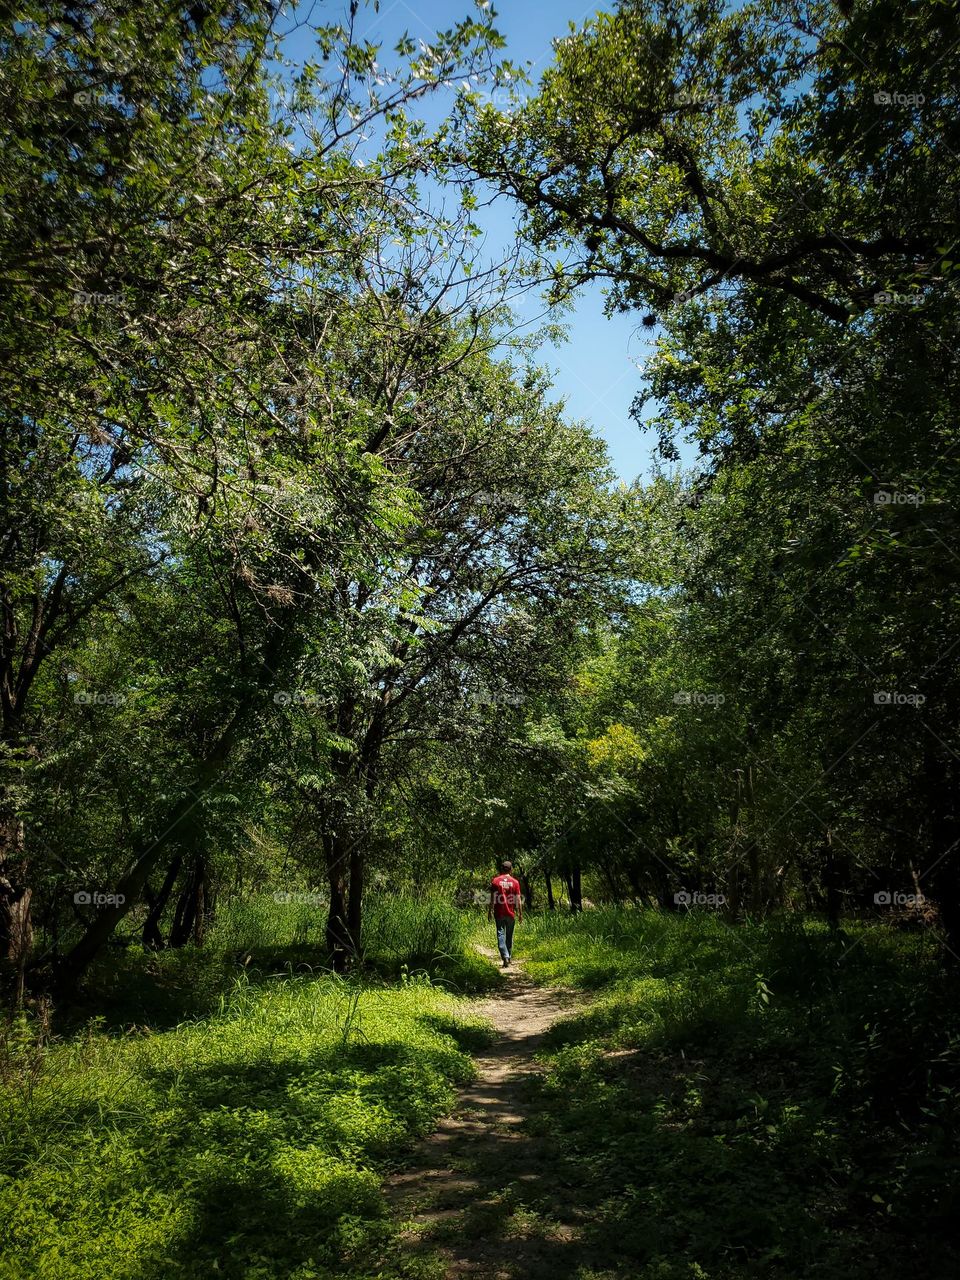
pixel 484 1194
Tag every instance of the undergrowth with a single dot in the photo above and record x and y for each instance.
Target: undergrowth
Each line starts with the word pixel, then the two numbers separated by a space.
pixel 770 1100
pixel 249 1144
pixel 229 1110
pixel 262 938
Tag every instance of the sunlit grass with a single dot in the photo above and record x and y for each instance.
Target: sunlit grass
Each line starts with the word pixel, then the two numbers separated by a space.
pixel 246 1144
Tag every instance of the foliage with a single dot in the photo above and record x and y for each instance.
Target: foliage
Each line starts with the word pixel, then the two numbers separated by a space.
pixel 281 486
pixel 769 185
pixel 251 1140
pixel 731 1084
pixel 678 148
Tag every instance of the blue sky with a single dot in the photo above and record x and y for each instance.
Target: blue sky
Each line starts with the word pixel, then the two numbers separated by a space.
pixel 595 372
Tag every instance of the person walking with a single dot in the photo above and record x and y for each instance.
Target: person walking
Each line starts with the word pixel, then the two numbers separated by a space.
pixel 505 908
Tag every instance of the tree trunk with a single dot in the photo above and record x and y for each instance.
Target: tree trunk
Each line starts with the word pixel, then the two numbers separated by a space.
pixel 755 887
pixel 204 906
pixel 942 876
pixel 338 933
pixel 16 935
pixel 72 967
pixel 128 890
pixel 16 926
pixel 613 885
pixel 355 901
pixel 733 892
pixel 130 885
pixel 572 880
pixel 636 891
pixel 833 880
pixel 188 917
pixel 551 905
pixel 152 937
pixel 526 888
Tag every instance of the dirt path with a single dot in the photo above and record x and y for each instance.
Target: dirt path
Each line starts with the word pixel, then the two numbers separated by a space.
pixel 482 1196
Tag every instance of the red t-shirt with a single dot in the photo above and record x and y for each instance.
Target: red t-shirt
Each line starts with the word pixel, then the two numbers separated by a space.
pixel 506 895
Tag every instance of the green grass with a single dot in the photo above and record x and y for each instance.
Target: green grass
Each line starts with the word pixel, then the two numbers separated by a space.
pixel 767 1101
pixel 264 938
pixel 772 1101
pixel 403 934
pixel 229 1110
pixel 249 1144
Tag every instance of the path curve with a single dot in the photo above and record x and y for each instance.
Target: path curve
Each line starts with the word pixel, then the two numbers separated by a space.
pixel 482 1193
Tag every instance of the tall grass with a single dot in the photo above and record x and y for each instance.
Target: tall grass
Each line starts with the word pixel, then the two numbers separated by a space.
pixel 264 921
pixel 406 935
pixel 266 934
pixel 246 1144
pixel 399 929
pixel 692 980
pixel 232 1109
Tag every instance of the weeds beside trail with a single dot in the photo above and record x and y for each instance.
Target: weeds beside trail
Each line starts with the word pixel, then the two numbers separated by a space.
pixel 769 1101
pixel 250 1142
pixel 245 1145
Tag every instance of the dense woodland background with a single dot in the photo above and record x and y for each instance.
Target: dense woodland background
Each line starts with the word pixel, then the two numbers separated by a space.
pixel 316 604
pixel 307 582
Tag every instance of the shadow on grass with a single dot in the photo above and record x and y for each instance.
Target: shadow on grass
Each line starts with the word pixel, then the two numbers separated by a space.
pixel 162 989
pixel 463 974
pixel 262 1226
pixel 276 1157
pixel 790 1113
pixel 469 1037
pixel 655 1164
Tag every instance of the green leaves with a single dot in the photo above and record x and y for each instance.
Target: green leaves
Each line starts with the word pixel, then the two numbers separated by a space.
pixel 688 148
pixel 268 1116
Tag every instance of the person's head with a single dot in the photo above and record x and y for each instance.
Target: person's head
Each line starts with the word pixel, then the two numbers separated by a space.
pixel 506 867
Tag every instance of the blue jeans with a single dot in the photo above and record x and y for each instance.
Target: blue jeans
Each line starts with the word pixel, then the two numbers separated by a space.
pixel 505 935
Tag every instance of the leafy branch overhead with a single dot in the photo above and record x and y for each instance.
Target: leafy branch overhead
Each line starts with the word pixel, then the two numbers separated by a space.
pixel 682 149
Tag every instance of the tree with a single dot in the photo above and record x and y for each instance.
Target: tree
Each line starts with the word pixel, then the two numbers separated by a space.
pixel 681 149
pixel 177 252
pixel 514 543
pixel 692 156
